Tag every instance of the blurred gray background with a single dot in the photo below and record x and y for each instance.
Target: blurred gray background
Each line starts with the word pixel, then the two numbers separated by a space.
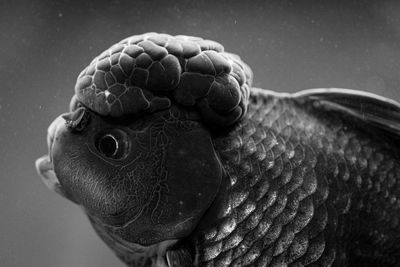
pixel 290 45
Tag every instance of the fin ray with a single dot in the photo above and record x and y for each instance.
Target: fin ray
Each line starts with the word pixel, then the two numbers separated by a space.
pixel 381 112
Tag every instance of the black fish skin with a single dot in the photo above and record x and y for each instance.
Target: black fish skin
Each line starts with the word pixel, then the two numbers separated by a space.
pixel 306 187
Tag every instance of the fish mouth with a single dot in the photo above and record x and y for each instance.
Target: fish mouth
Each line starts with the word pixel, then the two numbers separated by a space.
pixel 44 165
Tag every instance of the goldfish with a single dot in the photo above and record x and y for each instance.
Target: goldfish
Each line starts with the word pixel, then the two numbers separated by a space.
pixel 178 161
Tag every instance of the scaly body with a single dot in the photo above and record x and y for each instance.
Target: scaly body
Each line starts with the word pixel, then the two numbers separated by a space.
pixel 304 186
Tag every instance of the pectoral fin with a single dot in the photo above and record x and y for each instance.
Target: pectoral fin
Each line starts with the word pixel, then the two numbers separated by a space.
pixel 179 258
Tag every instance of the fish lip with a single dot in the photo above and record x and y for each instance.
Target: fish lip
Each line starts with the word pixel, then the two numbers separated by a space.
pixel 45 169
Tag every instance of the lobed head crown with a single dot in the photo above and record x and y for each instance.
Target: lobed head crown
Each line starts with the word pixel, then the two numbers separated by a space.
pixel 149 72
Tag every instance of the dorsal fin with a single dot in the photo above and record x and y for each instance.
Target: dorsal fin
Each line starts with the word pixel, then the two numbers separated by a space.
pixel 381 112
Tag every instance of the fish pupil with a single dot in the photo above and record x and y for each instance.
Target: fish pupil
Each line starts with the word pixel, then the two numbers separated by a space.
pixel 113 143
pixel 108 145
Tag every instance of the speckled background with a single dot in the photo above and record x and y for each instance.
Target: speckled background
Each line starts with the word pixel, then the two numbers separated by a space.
pixel 290 45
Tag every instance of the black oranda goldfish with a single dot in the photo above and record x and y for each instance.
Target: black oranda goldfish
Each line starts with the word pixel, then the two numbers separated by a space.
pixel 178 161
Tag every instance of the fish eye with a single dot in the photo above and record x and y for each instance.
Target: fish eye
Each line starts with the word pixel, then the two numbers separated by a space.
pixel 113 144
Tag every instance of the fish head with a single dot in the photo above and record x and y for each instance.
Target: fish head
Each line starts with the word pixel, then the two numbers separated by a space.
pixel 136 149
pixel 142 180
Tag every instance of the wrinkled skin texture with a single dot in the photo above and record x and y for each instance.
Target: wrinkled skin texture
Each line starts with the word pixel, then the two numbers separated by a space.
pixel 309 179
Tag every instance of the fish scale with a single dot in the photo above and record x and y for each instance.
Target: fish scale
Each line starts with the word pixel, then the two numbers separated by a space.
pixel 299 209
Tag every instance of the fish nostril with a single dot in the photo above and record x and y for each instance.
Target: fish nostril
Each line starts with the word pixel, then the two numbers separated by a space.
pixel 77 120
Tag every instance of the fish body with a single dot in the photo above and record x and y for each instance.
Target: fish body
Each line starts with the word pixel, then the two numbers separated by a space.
pixel 191 166
pixel 308 184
